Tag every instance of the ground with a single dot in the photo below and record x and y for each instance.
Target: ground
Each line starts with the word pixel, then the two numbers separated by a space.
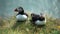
pixel 10 26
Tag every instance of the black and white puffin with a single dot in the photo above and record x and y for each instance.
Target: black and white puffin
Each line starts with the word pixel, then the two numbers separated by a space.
pixel 21 16
pixel 38 19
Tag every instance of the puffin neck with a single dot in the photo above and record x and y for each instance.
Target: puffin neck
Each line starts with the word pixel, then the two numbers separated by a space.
pixel 21 13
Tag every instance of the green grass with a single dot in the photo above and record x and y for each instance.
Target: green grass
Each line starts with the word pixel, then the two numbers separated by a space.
pixel 10 26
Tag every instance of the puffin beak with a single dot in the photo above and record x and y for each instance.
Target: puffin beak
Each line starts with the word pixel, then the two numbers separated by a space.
pixel 16 10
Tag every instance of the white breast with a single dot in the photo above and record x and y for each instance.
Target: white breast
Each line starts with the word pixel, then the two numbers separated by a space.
pixel 40 22
pixel 21 17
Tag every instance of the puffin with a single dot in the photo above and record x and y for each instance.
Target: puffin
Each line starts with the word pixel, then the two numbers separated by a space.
pixel 38 19
pixel 21 15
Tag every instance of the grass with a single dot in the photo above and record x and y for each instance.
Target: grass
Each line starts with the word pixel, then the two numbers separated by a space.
pixel 10 26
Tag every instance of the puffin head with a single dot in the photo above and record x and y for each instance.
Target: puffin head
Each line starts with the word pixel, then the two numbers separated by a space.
pixel 19 9
pixel 33 15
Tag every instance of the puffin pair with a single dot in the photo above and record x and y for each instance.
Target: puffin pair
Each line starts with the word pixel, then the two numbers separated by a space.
pixel 36 19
